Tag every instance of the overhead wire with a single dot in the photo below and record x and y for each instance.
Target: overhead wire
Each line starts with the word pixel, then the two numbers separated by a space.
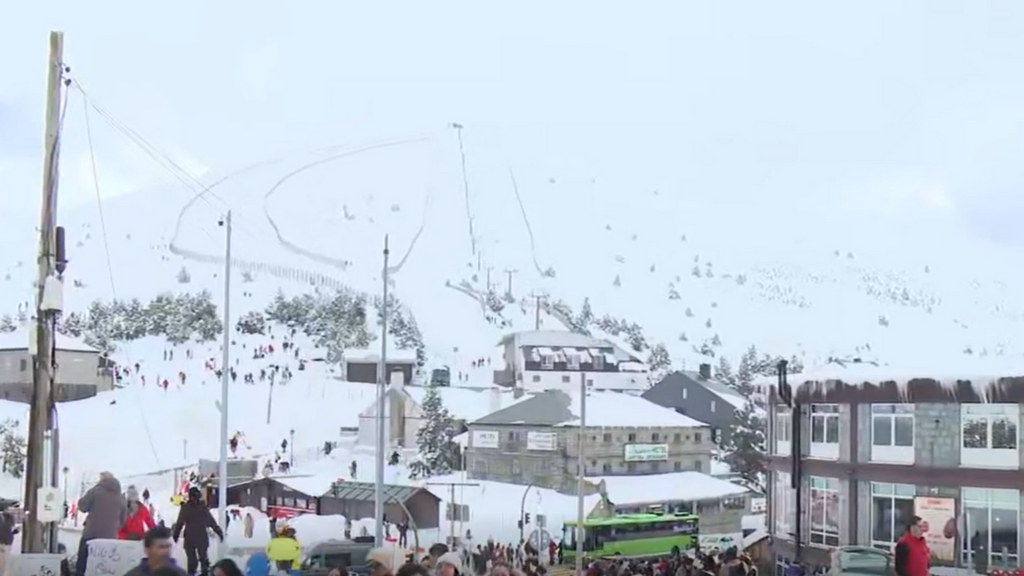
pixel 200 191
pixel 110 265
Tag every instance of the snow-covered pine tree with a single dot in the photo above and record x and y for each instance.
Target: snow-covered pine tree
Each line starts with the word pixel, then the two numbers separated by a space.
pixel 659 363
pixel 12 448
pixel 183 276
pixel 251 322
pixel 745 450
pixel 437 450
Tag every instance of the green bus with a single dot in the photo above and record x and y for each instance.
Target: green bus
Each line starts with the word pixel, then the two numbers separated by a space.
pixel 633 535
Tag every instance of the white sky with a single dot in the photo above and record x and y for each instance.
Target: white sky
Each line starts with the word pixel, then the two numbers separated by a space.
pixel 888 106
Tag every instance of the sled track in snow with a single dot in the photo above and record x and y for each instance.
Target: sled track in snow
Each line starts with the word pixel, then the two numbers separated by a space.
pixel 323 258
pixel 278 271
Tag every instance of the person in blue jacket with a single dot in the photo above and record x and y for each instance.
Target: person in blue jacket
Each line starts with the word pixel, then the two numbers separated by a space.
pixel 258 564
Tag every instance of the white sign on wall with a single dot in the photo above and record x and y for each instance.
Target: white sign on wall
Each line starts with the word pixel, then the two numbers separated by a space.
pixel 646 452
pixel 484 439
pixel 541 441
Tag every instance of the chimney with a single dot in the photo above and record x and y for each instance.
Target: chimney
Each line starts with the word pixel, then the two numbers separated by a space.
pixel 705 371
pixel 494 400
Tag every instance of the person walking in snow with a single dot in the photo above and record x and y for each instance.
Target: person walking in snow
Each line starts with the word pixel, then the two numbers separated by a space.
pixel 195 518
pixel 107 512
pixel 139 520
pixel 247 525
pixel 352 469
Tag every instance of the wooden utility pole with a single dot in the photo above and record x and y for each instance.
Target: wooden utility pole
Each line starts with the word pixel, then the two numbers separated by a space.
pixel 452 505
pixel 42 390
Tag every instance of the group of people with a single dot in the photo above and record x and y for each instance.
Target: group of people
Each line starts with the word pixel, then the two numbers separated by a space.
pixel 112 514
pixel 703 563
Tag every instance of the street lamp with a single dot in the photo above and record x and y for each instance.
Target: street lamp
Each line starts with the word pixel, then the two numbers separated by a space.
pixel 65 471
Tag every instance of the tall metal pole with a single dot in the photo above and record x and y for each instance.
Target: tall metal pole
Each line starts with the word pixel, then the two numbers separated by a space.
pixel 581 473
pixel 382 375
pixel 225 380
pixel 43 374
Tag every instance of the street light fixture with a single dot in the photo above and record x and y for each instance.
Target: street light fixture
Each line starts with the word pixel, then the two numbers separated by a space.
pixel 291 448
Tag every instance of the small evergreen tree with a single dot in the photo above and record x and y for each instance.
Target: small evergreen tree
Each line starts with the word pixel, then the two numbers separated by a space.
pixel 435 436
pixel 12 448
pixel 183 276
pixel 659 363
pixel 7 324
pixel 251 323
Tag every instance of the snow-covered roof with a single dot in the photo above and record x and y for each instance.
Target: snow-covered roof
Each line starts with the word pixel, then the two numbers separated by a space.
pixel 466 404
pixel 557 338
pixel 604 409
pixel 547 339
pixel 980 372
pixel 18 340
pixel 373 355
pixel 673 486
pixel 614 409
pixel 311 485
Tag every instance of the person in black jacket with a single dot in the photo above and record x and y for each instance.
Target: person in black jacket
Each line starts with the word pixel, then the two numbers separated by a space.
pixel 195 518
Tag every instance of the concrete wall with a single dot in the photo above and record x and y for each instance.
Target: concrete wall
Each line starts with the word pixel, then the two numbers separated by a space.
pixel 604 452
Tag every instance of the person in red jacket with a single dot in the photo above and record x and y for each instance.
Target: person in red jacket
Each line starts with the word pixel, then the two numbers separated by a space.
pixel 913 558
pixel 139 520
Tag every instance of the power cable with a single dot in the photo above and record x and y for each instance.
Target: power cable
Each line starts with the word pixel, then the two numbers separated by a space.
pixel 110 267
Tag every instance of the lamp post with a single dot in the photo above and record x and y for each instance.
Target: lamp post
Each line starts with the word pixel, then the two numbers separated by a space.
pixel 291 447
pixel 65 472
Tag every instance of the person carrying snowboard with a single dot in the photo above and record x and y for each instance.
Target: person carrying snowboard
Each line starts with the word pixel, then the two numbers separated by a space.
pixel 195 518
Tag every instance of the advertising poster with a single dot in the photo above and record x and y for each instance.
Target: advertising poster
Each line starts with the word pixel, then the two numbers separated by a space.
pixel 940 516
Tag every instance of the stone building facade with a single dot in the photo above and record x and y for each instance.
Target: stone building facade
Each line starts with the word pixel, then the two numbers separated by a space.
pixel 536 442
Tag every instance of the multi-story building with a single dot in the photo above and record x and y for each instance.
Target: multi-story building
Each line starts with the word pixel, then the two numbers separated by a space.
pixel 700 396
pixel 874 452
pixel 81 370
pixel 555 360
pixel 536 440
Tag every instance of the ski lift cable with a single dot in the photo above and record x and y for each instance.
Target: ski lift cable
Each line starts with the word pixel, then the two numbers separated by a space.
pixel 110 267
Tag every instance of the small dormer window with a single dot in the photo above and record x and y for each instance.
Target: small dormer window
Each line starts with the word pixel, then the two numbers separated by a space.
pixel 598 361
pixel 572 361
pixel 547 361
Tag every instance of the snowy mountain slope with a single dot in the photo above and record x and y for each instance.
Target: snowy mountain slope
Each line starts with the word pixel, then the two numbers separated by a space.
pixel 832 284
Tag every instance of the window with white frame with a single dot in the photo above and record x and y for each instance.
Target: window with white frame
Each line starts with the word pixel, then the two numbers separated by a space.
pixel 712 406
pixel 989 435
pixel 892 507
pixel 825 431
pixel 547 361
pixel 783 430
pixel 991 520
pixel 892 433
pixel 784 505
pixel 824 512
pixel 572 361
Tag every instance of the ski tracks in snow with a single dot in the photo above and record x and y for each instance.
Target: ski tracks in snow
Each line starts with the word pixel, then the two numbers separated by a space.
pixel 341 264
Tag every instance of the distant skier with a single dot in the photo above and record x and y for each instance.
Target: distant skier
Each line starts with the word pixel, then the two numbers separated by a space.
pixel 352 469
